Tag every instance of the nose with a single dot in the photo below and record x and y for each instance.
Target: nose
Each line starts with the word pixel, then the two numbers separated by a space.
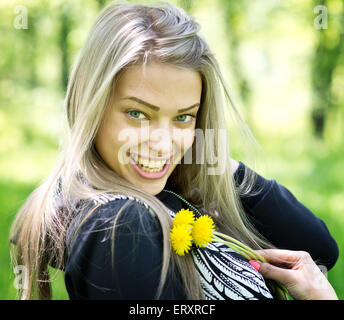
pixel 161 141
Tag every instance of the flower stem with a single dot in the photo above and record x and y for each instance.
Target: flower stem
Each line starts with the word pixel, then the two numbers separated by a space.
pixel 235 247
pixel 253 255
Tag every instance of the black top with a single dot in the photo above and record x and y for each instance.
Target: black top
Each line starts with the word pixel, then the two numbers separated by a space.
pixel 134 272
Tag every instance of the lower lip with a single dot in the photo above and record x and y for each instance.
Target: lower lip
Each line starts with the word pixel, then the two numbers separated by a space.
pixel 150 175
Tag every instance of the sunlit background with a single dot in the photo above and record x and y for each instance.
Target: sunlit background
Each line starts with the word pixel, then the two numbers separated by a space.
pixel 283 63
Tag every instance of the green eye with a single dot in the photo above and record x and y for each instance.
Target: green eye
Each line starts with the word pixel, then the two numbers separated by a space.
pixel 182 117
pixel 135 114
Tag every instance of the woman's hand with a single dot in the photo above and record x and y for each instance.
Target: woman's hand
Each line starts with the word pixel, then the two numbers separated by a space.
pixel 298 272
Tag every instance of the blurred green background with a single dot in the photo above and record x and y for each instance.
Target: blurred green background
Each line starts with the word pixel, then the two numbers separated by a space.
pixel 284 66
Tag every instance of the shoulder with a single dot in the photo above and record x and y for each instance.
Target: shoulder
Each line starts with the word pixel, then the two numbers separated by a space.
pixel 105 251
pixel 106 211
pixel 110 205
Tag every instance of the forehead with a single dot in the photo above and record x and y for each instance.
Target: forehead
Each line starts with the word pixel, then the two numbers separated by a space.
pixel 160 83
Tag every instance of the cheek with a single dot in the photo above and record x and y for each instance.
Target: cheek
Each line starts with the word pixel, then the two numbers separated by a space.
pixel 101 140
pixel 109 142
pixel 184 139
pixel 126 139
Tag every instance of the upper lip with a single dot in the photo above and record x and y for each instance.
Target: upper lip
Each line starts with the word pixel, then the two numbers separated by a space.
pixel 152 158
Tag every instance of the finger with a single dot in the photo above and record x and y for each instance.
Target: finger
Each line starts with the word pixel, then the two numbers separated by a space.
pixel 272 272
pixel 280 257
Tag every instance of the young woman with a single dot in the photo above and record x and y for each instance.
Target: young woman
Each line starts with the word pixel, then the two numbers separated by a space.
pixel 147 137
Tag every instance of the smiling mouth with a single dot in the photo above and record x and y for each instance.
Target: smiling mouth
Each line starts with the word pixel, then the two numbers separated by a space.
pixel 149 170
pixel 148 165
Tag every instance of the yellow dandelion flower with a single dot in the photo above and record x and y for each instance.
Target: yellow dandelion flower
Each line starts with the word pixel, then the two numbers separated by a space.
pixel 202 230
pixel 181 239
pixel 184 216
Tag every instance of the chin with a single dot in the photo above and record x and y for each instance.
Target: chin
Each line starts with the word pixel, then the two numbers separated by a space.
pixel 154 190
pixel 152 187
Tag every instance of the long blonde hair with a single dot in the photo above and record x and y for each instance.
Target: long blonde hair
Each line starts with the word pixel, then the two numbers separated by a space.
pixel 123 34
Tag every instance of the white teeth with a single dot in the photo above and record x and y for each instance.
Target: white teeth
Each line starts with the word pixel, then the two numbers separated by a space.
pixel 155 165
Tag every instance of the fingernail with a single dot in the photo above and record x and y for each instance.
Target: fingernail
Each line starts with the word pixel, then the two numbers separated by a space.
pixel 254 264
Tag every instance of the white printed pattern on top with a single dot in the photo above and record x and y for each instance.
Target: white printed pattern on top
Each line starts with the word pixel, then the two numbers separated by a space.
pixel 223 273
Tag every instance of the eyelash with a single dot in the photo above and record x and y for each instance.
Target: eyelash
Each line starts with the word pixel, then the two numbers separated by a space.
pixel 134 110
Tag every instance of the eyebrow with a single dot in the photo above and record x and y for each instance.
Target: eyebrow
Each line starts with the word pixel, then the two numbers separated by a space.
pixel 155 108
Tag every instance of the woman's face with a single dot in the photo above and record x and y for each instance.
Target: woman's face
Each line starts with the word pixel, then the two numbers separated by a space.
pixel 151 118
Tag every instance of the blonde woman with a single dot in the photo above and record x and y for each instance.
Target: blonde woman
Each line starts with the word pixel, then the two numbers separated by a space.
pixel 147 108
